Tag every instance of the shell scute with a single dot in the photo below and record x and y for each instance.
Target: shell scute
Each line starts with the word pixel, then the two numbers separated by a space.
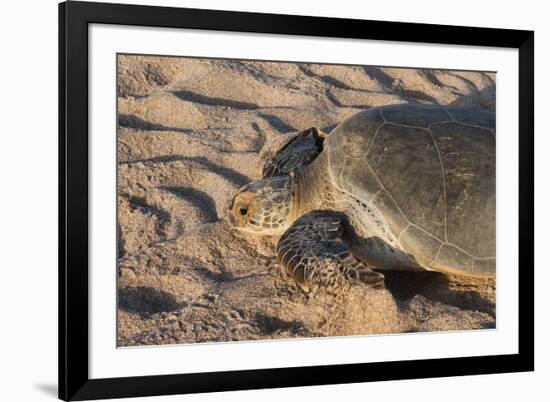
pixel 414 115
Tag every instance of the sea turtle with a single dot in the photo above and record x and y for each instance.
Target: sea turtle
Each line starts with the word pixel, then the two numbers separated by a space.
pixel 402 187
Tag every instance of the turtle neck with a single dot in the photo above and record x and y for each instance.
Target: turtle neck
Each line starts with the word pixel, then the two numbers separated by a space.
pixel 309 188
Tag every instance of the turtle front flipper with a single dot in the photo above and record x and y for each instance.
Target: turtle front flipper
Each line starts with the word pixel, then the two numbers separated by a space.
pixel 314 252
pixel 298 152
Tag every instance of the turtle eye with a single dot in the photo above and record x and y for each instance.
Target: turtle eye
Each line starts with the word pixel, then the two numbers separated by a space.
pixel 243 210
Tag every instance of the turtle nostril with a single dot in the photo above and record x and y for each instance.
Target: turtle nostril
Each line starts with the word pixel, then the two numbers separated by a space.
pixel 243 211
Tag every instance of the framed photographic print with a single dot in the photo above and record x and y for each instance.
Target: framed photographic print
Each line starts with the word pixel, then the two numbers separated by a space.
pixel 257 200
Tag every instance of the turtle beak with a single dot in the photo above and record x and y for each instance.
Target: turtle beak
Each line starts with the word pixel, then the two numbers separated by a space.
pixel 228 211
pixel 231 220
pixel 228 216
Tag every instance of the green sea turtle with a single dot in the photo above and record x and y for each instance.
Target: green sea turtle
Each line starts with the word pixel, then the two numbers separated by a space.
pixel 401 187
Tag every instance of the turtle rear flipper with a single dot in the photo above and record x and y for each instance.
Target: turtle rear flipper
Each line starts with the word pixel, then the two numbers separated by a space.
pixel 314 253
pixel 298 152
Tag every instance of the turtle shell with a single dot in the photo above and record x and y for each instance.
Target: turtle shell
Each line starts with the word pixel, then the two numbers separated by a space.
pixel 430 173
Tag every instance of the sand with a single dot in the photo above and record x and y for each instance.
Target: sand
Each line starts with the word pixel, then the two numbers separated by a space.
pixel 190 133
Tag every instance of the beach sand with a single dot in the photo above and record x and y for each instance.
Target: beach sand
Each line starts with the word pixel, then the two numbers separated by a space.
pixel 190 133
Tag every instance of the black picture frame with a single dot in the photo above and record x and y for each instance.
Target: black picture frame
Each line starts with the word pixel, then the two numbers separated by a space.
pixel 74 381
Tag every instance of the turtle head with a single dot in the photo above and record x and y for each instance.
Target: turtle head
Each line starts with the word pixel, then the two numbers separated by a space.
pixel 263 207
